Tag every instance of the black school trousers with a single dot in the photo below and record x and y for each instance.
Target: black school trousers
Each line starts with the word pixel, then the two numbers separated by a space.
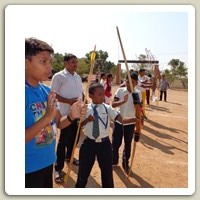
pixel 66 140
pixel 89 151
pixel 119 133
pixel 40 179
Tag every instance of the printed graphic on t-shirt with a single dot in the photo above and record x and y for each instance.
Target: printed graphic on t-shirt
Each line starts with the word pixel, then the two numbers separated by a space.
pixel 47 134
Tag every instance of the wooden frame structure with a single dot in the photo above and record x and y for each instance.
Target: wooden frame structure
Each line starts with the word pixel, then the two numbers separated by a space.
pixel 140 61
pixel 118 77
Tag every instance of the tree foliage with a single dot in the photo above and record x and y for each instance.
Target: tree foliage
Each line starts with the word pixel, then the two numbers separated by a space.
pixel 83 66
pixel 179 71
pixel 142 57
pixel 169 76
pixel 147 66
pixel 58 64
pixel 101 63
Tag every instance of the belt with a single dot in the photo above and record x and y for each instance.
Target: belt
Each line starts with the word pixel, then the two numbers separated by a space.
pixel 98 140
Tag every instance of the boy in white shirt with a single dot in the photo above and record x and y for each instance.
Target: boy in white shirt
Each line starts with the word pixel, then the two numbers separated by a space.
pixel 97 142
pixel 124 100
pixel 103 79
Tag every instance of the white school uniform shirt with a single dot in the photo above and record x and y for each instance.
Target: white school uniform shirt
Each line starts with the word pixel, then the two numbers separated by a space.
pixel 148 82
pixel 141 79
pixel 127 109
pixel 102 82
pixel 68 86
pixel 101 109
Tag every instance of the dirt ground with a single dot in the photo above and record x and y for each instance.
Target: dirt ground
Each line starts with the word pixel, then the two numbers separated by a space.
pixel 161 157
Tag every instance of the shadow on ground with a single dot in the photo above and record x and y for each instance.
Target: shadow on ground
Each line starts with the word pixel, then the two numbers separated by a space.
pixel 127 182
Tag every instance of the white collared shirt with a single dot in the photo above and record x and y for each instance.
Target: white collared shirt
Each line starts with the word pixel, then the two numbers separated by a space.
pixel 141 80
pixel 101 109
pixel 127 109
pixel 68 86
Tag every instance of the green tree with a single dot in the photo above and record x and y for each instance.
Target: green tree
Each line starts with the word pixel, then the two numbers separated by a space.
pixel 147 66
pixel 83 67
pixel 101 63
pixel 169 76
pixel 142 57
pixel 113 70
pixel 58 64
pixel 179 71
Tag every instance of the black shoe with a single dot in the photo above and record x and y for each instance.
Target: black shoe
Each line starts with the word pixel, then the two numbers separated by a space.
pixel 115 163
pixel 126 168
pixel 75 162
pixel 59 177
pixel 145 117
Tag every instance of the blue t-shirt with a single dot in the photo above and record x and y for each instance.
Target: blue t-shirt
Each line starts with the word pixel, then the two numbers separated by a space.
pixel 40 151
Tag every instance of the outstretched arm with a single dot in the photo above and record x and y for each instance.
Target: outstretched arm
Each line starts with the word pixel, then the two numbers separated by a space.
pixel 90 118
pixel 78 110
pixel 117 102
pixel 125 120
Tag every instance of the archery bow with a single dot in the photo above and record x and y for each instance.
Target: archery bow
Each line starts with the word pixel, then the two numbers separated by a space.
pixel 138 114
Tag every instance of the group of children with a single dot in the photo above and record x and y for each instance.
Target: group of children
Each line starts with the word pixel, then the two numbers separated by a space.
pixel 43 117
pixel 147 82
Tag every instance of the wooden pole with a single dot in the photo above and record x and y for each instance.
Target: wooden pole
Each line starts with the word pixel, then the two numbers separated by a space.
pixel 125 61
pixel 138 128
pixel 118 75
pixel 92 58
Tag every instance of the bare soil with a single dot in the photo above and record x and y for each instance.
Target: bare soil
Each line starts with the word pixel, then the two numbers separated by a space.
pixel 161 157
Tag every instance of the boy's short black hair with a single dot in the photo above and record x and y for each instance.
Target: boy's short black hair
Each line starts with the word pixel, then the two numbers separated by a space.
pixel 94 86
pixel 109 75
pixel 102 74
pixel 69 56
pixel 142 70
pixel 33 46
pixel 133 76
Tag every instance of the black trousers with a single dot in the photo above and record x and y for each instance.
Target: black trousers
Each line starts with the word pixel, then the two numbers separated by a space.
pixel 118 135
pixel 67 139
pixel 88 152
pixel 40 179
pixel 147 96
pixel 165 95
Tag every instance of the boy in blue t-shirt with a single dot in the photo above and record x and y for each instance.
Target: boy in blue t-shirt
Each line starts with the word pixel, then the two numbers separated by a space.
pixel 42 116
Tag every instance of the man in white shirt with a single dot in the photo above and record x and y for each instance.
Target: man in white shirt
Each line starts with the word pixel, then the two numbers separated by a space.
pixel 68 87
